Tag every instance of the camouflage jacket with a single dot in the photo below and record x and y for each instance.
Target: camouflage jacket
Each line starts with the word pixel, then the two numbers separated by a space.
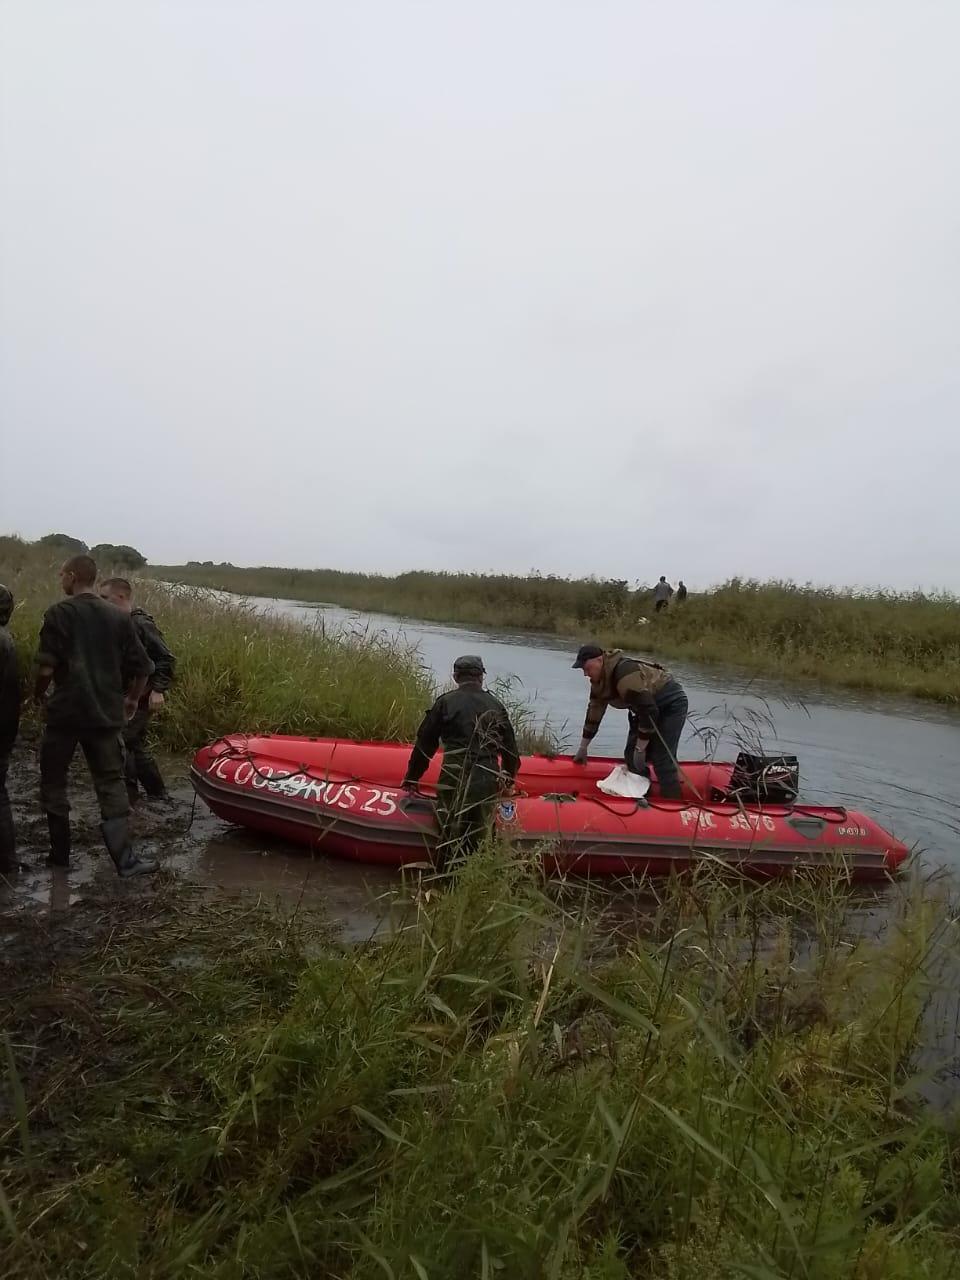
pixel 626 683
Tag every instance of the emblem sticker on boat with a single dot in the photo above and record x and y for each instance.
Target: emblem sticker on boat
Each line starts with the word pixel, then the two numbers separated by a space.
pixel 508 811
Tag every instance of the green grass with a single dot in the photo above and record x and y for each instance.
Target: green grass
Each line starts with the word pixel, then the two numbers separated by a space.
pixel 237 669
pixel 494 1090
pixel 902 643
pixel 240 670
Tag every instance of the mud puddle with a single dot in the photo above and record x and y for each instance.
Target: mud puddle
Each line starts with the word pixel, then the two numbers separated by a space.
pixel 193 847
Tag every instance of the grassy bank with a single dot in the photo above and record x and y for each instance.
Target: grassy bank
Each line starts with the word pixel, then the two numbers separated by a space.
pixel 215 1092
pixel 902 643
pixel 238 669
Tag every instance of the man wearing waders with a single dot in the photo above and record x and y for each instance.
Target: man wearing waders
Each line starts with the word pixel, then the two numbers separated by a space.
pixel 99 669
pixel 656 707
pixel 9 722
pixel 479 758
pixel 139 766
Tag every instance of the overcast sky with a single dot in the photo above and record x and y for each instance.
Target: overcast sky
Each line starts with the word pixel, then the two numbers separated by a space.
pixel 594 287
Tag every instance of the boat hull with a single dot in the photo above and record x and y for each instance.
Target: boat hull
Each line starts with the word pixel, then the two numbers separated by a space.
pixel 345 799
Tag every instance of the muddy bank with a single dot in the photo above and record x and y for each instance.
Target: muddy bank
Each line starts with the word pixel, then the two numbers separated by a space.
pixel 194 848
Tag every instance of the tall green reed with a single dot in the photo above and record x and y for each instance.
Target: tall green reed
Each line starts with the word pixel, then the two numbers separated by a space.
pixel 905 642
pixel 496 1088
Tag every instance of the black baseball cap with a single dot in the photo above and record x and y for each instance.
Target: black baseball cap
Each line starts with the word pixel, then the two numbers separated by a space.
pixel 585 653
pixel 470 662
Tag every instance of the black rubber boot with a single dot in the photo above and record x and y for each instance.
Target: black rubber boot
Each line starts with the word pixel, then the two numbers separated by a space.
pixel 152 781
pixel 116 836
pixel 8 844
pixel 59 828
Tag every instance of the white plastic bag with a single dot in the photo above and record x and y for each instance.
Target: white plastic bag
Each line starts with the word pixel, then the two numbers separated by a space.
pixel 621 782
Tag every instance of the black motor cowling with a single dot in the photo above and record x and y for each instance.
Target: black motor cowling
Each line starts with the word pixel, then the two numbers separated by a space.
pixel 758 779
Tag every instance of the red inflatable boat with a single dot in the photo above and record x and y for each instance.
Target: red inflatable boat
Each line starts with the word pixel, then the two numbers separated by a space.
pixel 345 798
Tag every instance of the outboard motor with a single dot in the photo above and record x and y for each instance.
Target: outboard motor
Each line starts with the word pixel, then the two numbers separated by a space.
pixel 760 779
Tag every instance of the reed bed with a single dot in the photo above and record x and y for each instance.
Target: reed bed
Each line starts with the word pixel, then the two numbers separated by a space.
pixel 906 643
pixel 503 1086
pixel 240 667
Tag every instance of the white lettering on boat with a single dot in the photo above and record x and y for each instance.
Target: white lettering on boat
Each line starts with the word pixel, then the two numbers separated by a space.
pixel 752 822
pixel 377 801
pixel 697 818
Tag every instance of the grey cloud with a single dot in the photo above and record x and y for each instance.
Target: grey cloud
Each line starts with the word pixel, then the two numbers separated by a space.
pixel 272 279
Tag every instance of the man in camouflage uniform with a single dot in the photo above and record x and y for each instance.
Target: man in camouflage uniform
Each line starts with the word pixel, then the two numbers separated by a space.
pixel 99 669
pixel 479 759
pixel 140 768
pixel 656 707
pixel 9 723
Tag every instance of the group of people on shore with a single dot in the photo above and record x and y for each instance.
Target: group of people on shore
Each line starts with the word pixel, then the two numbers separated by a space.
pixel 102 670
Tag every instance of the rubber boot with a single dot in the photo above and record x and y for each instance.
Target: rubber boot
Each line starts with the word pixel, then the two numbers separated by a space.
pixel 8 844
pixel 59 828
pixel 153 783
pixel 116 836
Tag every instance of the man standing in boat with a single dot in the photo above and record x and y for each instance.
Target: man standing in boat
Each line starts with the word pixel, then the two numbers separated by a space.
pixel 480 758
pixel 656 707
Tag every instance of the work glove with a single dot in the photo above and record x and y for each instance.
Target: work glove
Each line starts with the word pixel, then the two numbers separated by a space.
pixel 636 762
pixel 581 754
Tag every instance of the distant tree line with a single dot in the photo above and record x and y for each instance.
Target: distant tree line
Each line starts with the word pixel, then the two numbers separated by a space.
pixel 107 554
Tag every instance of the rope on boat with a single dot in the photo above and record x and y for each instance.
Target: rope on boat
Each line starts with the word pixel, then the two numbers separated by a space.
pixel 707 806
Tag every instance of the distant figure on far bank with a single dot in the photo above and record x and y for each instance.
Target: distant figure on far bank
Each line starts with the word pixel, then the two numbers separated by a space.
pixel 99 668
pixel 140 768
pixel 9 723
pixel 480 759
pixel 661 594
pixel 681 591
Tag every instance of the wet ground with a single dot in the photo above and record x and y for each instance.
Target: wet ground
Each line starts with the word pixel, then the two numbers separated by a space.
pixel 53 923
pixel 201 853
pixel 193 847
